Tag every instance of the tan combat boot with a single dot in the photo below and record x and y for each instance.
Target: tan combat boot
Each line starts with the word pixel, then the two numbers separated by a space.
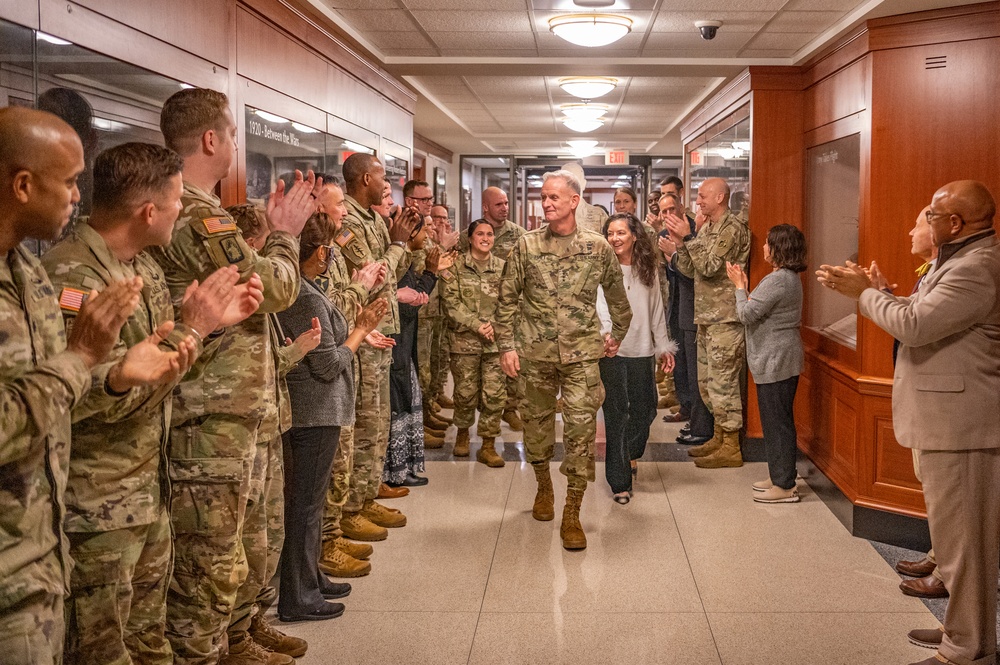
pixel 445 401
pixel 488 455
pixel 357 527
pixel 729 455
pixel 462 442
pixel 359 551
pixel 544 509
pixel 513 420
pixel 378 514
pixel 571 532
pixel 433 439
pixel 709 446
pixel 434 421
pixel 272 639
pixel 337 564
pixel 247 652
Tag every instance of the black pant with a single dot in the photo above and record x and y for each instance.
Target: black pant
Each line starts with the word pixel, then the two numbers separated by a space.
pixel 629 410
pixel 309 453
pixel 686 365
pixel 775 401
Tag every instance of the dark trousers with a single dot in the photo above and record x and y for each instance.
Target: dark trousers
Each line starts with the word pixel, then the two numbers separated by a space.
pixel 309 453
pixel 775 401
pixel 686 364
pixel 629 410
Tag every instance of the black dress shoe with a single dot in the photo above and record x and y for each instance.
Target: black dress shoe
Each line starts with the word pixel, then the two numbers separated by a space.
pixel 328 611
pixel 692 440
pixel 685 431
pixel 413 480
pixel 333 590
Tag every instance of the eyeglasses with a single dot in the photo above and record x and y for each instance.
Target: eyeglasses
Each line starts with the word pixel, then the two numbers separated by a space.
pixel 930 214
pixel 426 199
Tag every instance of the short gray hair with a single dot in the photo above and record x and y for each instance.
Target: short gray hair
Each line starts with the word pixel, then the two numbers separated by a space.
pixel 571 180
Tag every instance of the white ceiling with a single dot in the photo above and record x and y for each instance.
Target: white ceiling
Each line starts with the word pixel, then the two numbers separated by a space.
pixel 487 70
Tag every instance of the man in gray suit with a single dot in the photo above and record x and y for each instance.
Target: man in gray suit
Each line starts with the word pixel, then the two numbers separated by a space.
pixel 945 400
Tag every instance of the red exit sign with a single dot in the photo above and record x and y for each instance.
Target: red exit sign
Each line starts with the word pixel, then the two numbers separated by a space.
pixel 616 158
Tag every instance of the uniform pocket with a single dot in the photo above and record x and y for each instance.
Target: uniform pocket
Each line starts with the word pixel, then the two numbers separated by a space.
pixel 206 495
pixel 939 383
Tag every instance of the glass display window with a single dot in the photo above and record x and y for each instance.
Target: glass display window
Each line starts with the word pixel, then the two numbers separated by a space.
pixel 275 148
pixel 397 172
pixel 723 153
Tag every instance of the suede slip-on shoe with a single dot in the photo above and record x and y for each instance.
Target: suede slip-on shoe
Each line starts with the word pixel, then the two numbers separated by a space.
pixel 929 638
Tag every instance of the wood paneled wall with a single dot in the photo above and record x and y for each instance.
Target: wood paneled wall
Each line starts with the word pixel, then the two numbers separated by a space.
pixel 922 91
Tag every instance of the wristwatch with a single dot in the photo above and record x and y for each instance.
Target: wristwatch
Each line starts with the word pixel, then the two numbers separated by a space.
pixel 400 243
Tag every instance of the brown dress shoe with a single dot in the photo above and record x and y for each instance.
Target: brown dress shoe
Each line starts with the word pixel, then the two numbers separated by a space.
pixel 929 638
pixel 386 492
pixel 679 417
pixel 921 568
pixel 924 587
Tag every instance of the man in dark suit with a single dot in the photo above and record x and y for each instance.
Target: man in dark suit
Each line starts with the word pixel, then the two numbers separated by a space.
pixel 681 314
pixel 945 400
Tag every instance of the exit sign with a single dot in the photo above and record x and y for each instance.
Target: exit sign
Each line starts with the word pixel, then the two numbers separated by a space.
pixel 616 158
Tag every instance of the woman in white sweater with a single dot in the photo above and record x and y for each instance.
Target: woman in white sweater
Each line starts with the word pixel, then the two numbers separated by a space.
pixel 629 377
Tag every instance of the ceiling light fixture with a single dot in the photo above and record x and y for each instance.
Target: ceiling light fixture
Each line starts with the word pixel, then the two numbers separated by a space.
pixel 45 37
pixel 584 111
pixel 305 129
pixel 270 117
pixel 582 147
pixel 590 30
pixel 588 87
pixel 582 126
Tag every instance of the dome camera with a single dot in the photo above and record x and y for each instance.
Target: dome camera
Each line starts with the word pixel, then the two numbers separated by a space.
pixel 708 29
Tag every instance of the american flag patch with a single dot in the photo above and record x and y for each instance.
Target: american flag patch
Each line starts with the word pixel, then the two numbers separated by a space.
pixel 345 237
pixel 219 224
pixel 72 300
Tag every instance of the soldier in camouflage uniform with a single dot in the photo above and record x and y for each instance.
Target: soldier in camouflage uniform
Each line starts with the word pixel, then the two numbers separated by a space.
pixel 551 278
pixel 588 217
pixel 471 289
pixel 722 237
pixel 44 375
pixel 217 416
pixel 432 344
pixel 505 235
pixel 365 239
pixel 116 498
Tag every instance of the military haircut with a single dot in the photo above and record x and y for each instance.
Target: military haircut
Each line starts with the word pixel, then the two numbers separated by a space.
pixel 677 199
pixel 329 179
pixel 412 185
pixel 571 180
pixel 318 232
pixel 788 247
pixel 356 166
pixel 27 137
pixel 131 173
pixel 250 219
pixel 188 114
pixel 673 180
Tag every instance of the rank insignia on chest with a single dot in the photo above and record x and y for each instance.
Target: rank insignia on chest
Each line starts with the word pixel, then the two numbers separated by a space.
pixel 345 237
pixel 232 250
pixel 218 225
pixel 72 300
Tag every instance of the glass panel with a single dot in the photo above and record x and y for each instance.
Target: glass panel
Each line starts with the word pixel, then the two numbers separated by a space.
pixel 726 156
pixel 478 173
pixel 276 147
pixel 17 67
pixel 833 202
pixel 396 174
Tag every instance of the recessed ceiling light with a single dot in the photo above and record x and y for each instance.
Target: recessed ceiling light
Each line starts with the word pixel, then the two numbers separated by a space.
pixel 582 125
pixel 305 129
pixel 588 87
pixel 270 117
pixel 590 29
pixel 584 111
pixel 45 37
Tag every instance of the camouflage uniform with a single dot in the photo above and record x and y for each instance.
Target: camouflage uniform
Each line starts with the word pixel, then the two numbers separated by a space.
pixel 590 217
pixel 503 242
pixel 552 281
pixel 470 299
pixel 721 345
pixel 117 493
pixel 216 416
pixel 369 241
pixel 432 347
pixel 41 384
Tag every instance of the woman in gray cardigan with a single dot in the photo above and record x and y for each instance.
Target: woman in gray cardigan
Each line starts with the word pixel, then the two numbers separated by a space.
pixel 321 389
pixel 772 314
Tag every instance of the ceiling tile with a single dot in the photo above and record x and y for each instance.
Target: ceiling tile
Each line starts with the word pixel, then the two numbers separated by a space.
pixel 473 21
pixel 823 5
pixel 814 22
pixel 693 41
pixel 483 40
pixel 361 4
pixel 383 20
pixel 690 53
pixel 731 21
pixel 792 41
pixel 398 40
pixel 463 5
pixel 716 6
pixel 479 52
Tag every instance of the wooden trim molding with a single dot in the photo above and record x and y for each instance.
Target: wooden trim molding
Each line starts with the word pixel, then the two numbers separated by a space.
pixel 429 147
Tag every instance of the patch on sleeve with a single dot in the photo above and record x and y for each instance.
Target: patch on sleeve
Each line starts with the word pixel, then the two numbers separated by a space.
pixel 233 251
pixel 345 237
pixel 446 275
pixel 71 300
pixel 219 225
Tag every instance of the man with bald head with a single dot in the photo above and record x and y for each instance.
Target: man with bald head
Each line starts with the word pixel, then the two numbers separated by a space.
pixel 945 396
pixel 506 234
pixel 722 238
pixel 44 375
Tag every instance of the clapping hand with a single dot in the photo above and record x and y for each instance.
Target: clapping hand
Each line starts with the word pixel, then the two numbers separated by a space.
pixel 372 314
pixel 736 276
pixel 247 298
pixel 409 296
pixel 289 211
pixel 667 245
pixel 403 224
pixel 878 280
pixel 96 328
pixel 370 276
pixel 448 239
pixel 204 305
pixel 678 228
pixel 146 364
pixel 849 279
pixel 438 261
pixel 308 340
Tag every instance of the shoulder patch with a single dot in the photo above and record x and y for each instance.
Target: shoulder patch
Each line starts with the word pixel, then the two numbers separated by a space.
pixel 219 225
pixel 346 236
pixel 71 300
pixel 233 251
pixel 446 275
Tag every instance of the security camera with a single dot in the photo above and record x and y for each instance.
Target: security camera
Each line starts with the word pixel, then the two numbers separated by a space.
pixel 708 29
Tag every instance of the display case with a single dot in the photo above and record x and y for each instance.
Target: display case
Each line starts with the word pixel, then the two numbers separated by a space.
pixel 722 151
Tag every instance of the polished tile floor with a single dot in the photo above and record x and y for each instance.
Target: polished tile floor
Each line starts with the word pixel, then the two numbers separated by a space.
pixel 691 571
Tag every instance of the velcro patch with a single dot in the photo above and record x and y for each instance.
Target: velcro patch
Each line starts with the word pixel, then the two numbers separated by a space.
pixel 345 237
pixel 72 300
pixel 445 275
pixel 218 224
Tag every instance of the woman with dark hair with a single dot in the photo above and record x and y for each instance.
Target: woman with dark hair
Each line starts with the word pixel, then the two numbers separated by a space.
pixel 626 201
pixel 772 314
pixel 629 377
pixel 470 301
pixel 321 389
